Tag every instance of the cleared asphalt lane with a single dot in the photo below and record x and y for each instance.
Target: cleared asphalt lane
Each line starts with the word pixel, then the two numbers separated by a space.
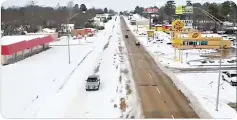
pixel 159 97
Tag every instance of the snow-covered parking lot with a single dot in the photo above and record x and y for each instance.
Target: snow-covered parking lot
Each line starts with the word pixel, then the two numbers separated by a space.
pixel 46 86
pixel 201 87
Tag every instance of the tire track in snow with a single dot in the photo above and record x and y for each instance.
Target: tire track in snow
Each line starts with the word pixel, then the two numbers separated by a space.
pixel 97 69
pixel 70 74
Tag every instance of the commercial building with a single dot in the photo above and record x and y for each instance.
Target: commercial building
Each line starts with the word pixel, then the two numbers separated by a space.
pixel 18 47
pixel 197 40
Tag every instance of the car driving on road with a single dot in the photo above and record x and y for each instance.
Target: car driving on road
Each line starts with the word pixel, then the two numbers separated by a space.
pixel 93 82
pixel 126 36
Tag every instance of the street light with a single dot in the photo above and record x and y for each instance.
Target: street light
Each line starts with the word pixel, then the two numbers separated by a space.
pixel 221 46
pixel 219 76
pixel 68 35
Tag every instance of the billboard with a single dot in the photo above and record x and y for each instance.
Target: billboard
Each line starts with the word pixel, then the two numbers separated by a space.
pixel 150 10
pixel 177 25
pixel 179 10
pixel 188 23
pixel 188 10
pixel 150 33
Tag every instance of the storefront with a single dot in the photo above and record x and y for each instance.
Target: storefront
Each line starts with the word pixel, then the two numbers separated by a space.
pixel 200 41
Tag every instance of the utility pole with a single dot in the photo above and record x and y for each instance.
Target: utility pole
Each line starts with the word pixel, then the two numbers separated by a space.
pixel 70 5
pixel 219 78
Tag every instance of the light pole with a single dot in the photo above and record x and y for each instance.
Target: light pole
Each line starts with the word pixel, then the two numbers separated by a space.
pixel 68 35
pixel 221 47
pixel 68 44
pixel 219 77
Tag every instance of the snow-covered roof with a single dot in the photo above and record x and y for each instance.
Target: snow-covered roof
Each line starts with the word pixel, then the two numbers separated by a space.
pixel 158 25
pixel 7 40
pixel 48 30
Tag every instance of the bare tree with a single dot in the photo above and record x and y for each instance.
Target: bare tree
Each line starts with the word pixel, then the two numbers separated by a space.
pixel 31 3
pixel 70 6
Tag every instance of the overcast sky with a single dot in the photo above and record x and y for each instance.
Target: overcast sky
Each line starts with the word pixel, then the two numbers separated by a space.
pixel 118 5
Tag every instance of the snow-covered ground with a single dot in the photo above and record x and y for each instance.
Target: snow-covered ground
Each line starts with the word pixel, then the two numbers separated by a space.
pixel 199 88
pixel 46 86
pixel 204 86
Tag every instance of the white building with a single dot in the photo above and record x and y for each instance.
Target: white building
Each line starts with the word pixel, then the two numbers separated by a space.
pixel 66 27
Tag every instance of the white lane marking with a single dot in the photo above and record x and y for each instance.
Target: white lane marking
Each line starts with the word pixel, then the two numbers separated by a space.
pixel 158 89
pixel 172 116
pixel 150 75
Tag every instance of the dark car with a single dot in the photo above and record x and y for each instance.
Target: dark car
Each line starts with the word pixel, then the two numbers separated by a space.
pixel 128 30
pixel 137 43
pixel 100 27
pixel 126 36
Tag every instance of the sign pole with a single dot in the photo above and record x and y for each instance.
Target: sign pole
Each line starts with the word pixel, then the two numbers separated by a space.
pixel 149 21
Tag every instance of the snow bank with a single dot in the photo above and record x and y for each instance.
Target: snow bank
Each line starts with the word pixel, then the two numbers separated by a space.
pixel 135 109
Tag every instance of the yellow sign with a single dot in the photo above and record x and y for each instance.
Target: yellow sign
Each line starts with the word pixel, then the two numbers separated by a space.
pixel 150 33
pixel 194 35
pixel 177 42
pixel 177 25
pixel 179 10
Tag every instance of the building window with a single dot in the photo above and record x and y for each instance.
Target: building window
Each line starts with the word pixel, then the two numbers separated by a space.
pixel 185 43
pixel 195 43
pixel 190 43
pixel 204 43
pixel 198 42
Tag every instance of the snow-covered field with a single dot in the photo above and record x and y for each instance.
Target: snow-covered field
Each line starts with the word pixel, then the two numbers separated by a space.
pixel 46 86
pixel 199 88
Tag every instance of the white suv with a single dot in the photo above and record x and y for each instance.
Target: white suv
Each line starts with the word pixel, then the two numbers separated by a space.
pixel 230 76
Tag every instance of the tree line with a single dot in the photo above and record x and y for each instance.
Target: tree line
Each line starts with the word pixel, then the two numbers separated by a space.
pixel 33 17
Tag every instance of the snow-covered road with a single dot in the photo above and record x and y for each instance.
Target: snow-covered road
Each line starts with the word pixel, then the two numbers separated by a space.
pixel 199 88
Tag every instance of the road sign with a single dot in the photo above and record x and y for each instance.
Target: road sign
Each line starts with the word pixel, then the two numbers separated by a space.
pixel 188 10
pixel 177 42
pixel 150 10
pixel 150 34
pixel 179 10
pixel 177 25
pixel 194 35
pixel 188 23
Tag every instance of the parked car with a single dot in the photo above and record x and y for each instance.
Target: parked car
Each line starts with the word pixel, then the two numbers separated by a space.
pixel 231 61
pixel 128 30
pixel 93 82
pixel 230 76
pixel 137 43
pixel 100 27
pixel 204 62
pixel 126 36
pixel 211 61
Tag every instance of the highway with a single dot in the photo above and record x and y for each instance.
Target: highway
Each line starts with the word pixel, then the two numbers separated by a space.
pixel 159 97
